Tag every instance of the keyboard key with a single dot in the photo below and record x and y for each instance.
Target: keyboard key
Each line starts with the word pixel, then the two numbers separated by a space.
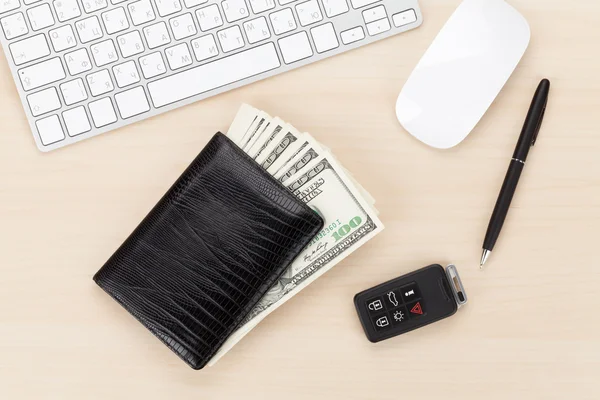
pixel 117 1
pixel 374 14
pixel 295 47
pixel 235 10
pixel 62 38
pixel 309 12
pixel 167 7
pixel 130 44
pixel 257 30
pixel 78 61
pixel 132 102
pixel 324 38
pixel 377 27
pixel 29 49
pixel 99 82
pixel 213 75
pixel 353 35
pixel 284 2
pixel 194 3
pixel 14 26
pixel 66 9
pixel 404 18
pixel 89 29
pixel 157 35
pixel 205 47
pixel 115 20
pixel 8 5
pixel 152 65
pixel 28 2
pixel 76 121
pixel 335 7
pixel 40 17
pixel 73 91
pixel 259 6
pixel 126 74
pixel 94 5
pixel 50 130
pixel 104 53
pixel 141 12
pixel 41 74
pixel 103 112
pixel 283 21
pixel 362 3
pixel 183 26
pixel 43 101
pixel 209 17
pixel 178 56
pixel 231 38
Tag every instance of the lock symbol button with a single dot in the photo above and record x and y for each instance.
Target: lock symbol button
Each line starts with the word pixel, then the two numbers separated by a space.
pixel 381 322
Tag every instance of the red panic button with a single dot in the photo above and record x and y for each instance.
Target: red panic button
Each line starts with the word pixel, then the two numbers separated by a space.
pixel 417 309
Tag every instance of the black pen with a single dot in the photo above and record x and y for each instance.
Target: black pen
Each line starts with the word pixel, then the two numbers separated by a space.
pixel 527 139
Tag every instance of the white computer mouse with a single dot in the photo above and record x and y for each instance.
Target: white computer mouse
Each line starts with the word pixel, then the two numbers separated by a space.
pixel 462 72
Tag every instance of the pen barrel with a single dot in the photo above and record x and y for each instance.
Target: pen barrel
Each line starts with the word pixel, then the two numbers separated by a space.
pixel 503 204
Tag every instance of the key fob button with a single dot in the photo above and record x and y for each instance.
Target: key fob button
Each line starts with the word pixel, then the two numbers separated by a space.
pixel 381 322
pixel 375 305
pixel 410 292
pixel 392 299
pixel 399 315
pixel 416 309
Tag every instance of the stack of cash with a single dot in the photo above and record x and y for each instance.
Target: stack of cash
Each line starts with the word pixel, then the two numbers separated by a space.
pixel 309 170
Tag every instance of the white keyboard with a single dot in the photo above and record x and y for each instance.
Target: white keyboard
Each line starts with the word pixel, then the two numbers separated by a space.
pixel 85 67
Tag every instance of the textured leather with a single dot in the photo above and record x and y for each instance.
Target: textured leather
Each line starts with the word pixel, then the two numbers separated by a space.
pixel 208 251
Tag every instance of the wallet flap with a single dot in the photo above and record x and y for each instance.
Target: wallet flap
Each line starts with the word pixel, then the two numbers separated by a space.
pixel 208 251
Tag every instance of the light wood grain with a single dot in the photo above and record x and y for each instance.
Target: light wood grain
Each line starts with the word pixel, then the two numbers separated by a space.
pixel 530 331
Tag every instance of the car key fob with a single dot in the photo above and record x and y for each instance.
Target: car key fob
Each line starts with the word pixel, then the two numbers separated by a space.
pixel 410 302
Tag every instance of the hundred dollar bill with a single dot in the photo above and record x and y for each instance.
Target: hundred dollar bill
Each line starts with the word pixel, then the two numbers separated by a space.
pixel 288 141
pixel 349 223
pixel 289 153
pixel 255 129
pixel 297 163
pixel 245 117
pixel 270 133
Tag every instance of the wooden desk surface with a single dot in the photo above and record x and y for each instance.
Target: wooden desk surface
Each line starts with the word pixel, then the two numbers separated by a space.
pixel 530 331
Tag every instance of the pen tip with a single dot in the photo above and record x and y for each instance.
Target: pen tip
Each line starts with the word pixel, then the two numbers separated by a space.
pixel 484 258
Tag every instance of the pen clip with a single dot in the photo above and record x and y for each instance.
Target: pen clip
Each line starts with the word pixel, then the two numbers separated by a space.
pixel 539 125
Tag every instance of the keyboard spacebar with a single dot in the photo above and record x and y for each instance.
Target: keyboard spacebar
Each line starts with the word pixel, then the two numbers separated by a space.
pixel 213 75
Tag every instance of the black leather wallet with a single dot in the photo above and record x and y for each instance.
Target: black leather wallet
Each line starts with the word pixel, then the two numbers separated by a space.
pixel 208 251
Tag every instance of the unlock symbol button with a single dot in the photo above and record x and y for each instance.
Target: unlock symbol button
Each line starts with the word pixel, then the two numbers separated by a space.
pixel 374 305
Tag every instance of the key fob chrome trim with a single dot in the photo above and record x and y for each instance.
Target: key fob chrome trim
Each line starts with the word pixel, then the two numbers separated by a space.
pixel 460 295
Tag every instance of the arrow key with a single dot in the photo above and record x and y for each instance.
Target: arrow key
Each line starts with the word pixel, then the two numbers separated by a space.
pixel 379 26
pixel 353 35
pixel 374 14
